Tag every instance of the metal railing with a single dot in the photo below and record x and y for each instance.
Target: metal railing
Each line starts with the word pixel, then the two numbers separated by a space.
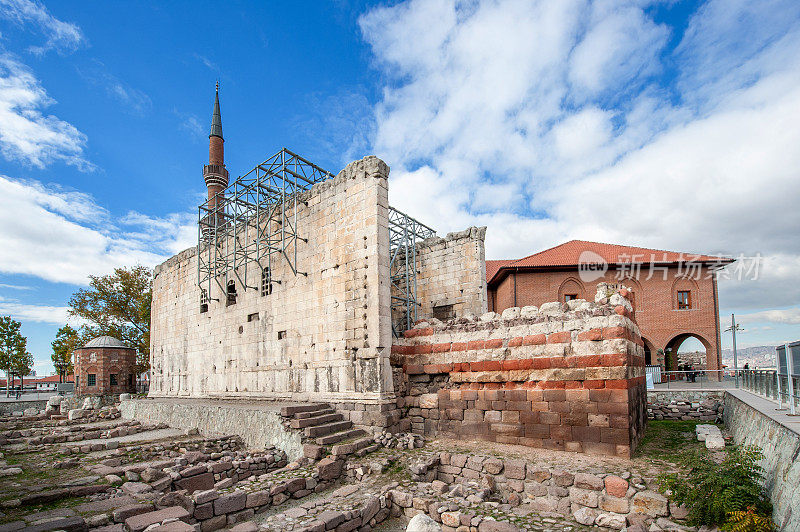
pixel 784 389
pixel 694 379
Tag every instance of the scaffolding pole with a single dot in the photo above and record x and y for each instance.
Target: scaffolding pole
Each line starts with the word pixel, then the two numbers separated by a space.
pixel 404 232
pixel 254 220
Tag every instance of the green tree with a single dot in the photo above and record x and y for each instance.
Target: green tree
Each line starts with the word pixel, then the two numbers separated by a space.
pixel 9 345
pixel 66 342
pixel 22 360
pixel 118 305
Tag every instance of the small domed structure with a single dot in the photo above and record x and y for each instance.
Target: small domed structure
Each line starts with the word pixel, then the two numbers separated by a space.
pixel 105 365
pixel 106 341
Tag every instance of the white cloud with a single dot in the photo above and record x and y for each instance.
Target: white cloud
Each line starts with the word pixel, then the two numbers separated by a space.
pixel 26 134
pixel 36 313
pixel 190 123
pixel 789 316
pixel 133 100
pixel 61 36
pixel 15 286
pixel 564 104
pixel 65 236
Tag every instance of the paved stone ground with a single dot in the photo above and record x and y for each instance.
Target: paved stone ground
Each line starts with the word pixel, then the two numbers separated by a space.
pixel 149 436
pixel 90 485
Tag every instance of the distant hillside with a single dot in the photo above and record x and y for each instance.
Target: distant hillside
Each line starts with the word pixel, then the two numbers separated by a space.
pixel 762 356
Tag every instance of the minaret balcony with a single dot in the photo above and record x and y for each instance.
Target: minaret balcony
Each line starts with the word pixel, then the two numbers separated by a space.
pixel 215 174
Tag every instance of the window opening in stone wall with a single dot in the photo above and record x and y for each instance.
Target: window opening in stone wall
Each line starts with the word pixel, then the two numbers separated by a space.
pixel 570 297
pixel 266 282
pixel 444 312
pixel 281 335
pixel 130 379
pixel 252 317
pixel 113 379
pixel 91 379
pixel 203 300
pixel 684 299
pixel 231 299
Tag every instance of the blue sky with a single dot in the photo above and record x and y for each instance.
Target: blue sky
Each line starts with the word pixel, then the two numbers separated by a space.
pixel 670 125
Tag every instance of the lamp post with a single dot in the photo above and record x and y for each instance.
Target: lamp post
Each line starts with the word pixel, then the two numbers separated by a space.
pixel 733 328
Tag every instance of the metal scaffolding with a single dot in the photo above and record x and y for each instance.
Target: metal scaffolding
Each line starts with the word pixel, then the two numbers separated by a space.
pixel 254 220
pixel 403 234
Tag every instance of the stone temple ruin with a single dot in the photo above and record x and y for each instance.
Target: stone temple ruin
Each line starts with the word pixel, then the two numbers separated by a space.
pixel 324 294
pixel 307 288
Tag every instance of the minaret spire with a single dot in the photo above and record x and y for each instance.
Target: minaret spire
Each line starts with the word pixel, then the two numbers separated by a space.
pixel 215 173
pixel 216 119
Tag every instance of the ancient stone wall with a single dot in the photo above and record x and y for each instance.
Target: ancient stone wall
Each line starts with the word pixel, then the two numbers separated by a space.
pixel 451 275
pixel 781 446
pixel 258 428
pixel 563 376
pixel 323 334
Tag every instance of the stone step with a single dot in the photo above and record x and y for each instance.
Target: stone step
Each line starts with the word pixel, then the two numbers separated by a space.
pixel 351 447
pixel 138 523
pixel 314 413
pixel 328 428
pixel 288 411
pixel 340 436
pixel 314 421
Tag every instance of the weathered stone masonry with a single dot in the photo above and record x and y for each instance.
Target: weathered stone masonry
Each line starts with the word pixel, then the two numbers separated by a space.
pixel 564 376
pixel 319 336
pixel 323 335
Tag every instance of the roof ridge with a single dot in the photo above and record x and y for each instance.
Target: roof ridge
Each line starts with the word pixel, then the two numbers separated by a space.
pixel 548 249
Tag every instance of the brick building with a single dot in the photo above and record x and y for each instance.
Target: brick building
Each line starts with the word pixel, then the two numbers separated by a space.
pixel 104 366
pixel 675 294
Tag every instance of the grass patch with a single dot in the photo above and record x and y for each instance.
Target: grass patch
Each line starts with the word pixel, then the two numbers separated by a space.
pixel 668 439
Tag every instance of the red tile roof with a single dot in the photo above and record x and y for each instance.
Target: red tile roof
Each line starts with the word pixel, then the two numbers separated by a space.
pixel 492 267
pixel 36 380
pixel 569 254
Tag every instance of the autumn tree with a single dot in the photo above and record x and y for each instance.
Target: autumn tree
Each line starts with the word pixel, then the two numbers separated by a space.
pixel 66 342
pixel 118 305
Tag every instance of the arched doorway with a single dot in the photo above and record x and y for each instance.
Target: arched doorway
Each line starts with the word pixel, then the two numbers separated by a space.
pixel 650 353
pixel 689 349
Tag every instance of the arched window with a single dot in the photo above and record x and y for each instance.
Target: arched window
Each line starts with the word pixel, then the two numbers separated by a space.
pixel 571 289
pixel 203 300
pixel 231 294
pixel 685 295
pixel 266 282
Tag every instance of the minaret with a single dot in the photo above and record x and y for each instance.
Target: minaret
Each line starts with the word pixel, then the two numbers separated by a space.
pixel 214 173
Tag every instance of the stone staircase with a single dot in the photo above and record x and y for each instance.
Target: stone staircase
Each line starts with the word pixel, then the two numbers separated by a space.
pixel 320 423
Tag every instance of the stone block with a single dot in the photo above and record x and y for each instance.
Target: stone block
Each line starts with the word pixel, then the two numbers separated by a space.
pixel 329 469
pixel 650 503
pixel 489 525
pixel 588 481
pixel 583 497
pixel 194 483
pixel 257 498
pixel 615 486
pixel 119 515
pixel 230 502
pixel 331 518
pixel 612 521
pixel 204 511
pixel 609 503
pixel 137 523
pixel 515 469
pixel 585 516
pixel 202 497
pixel 215 523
